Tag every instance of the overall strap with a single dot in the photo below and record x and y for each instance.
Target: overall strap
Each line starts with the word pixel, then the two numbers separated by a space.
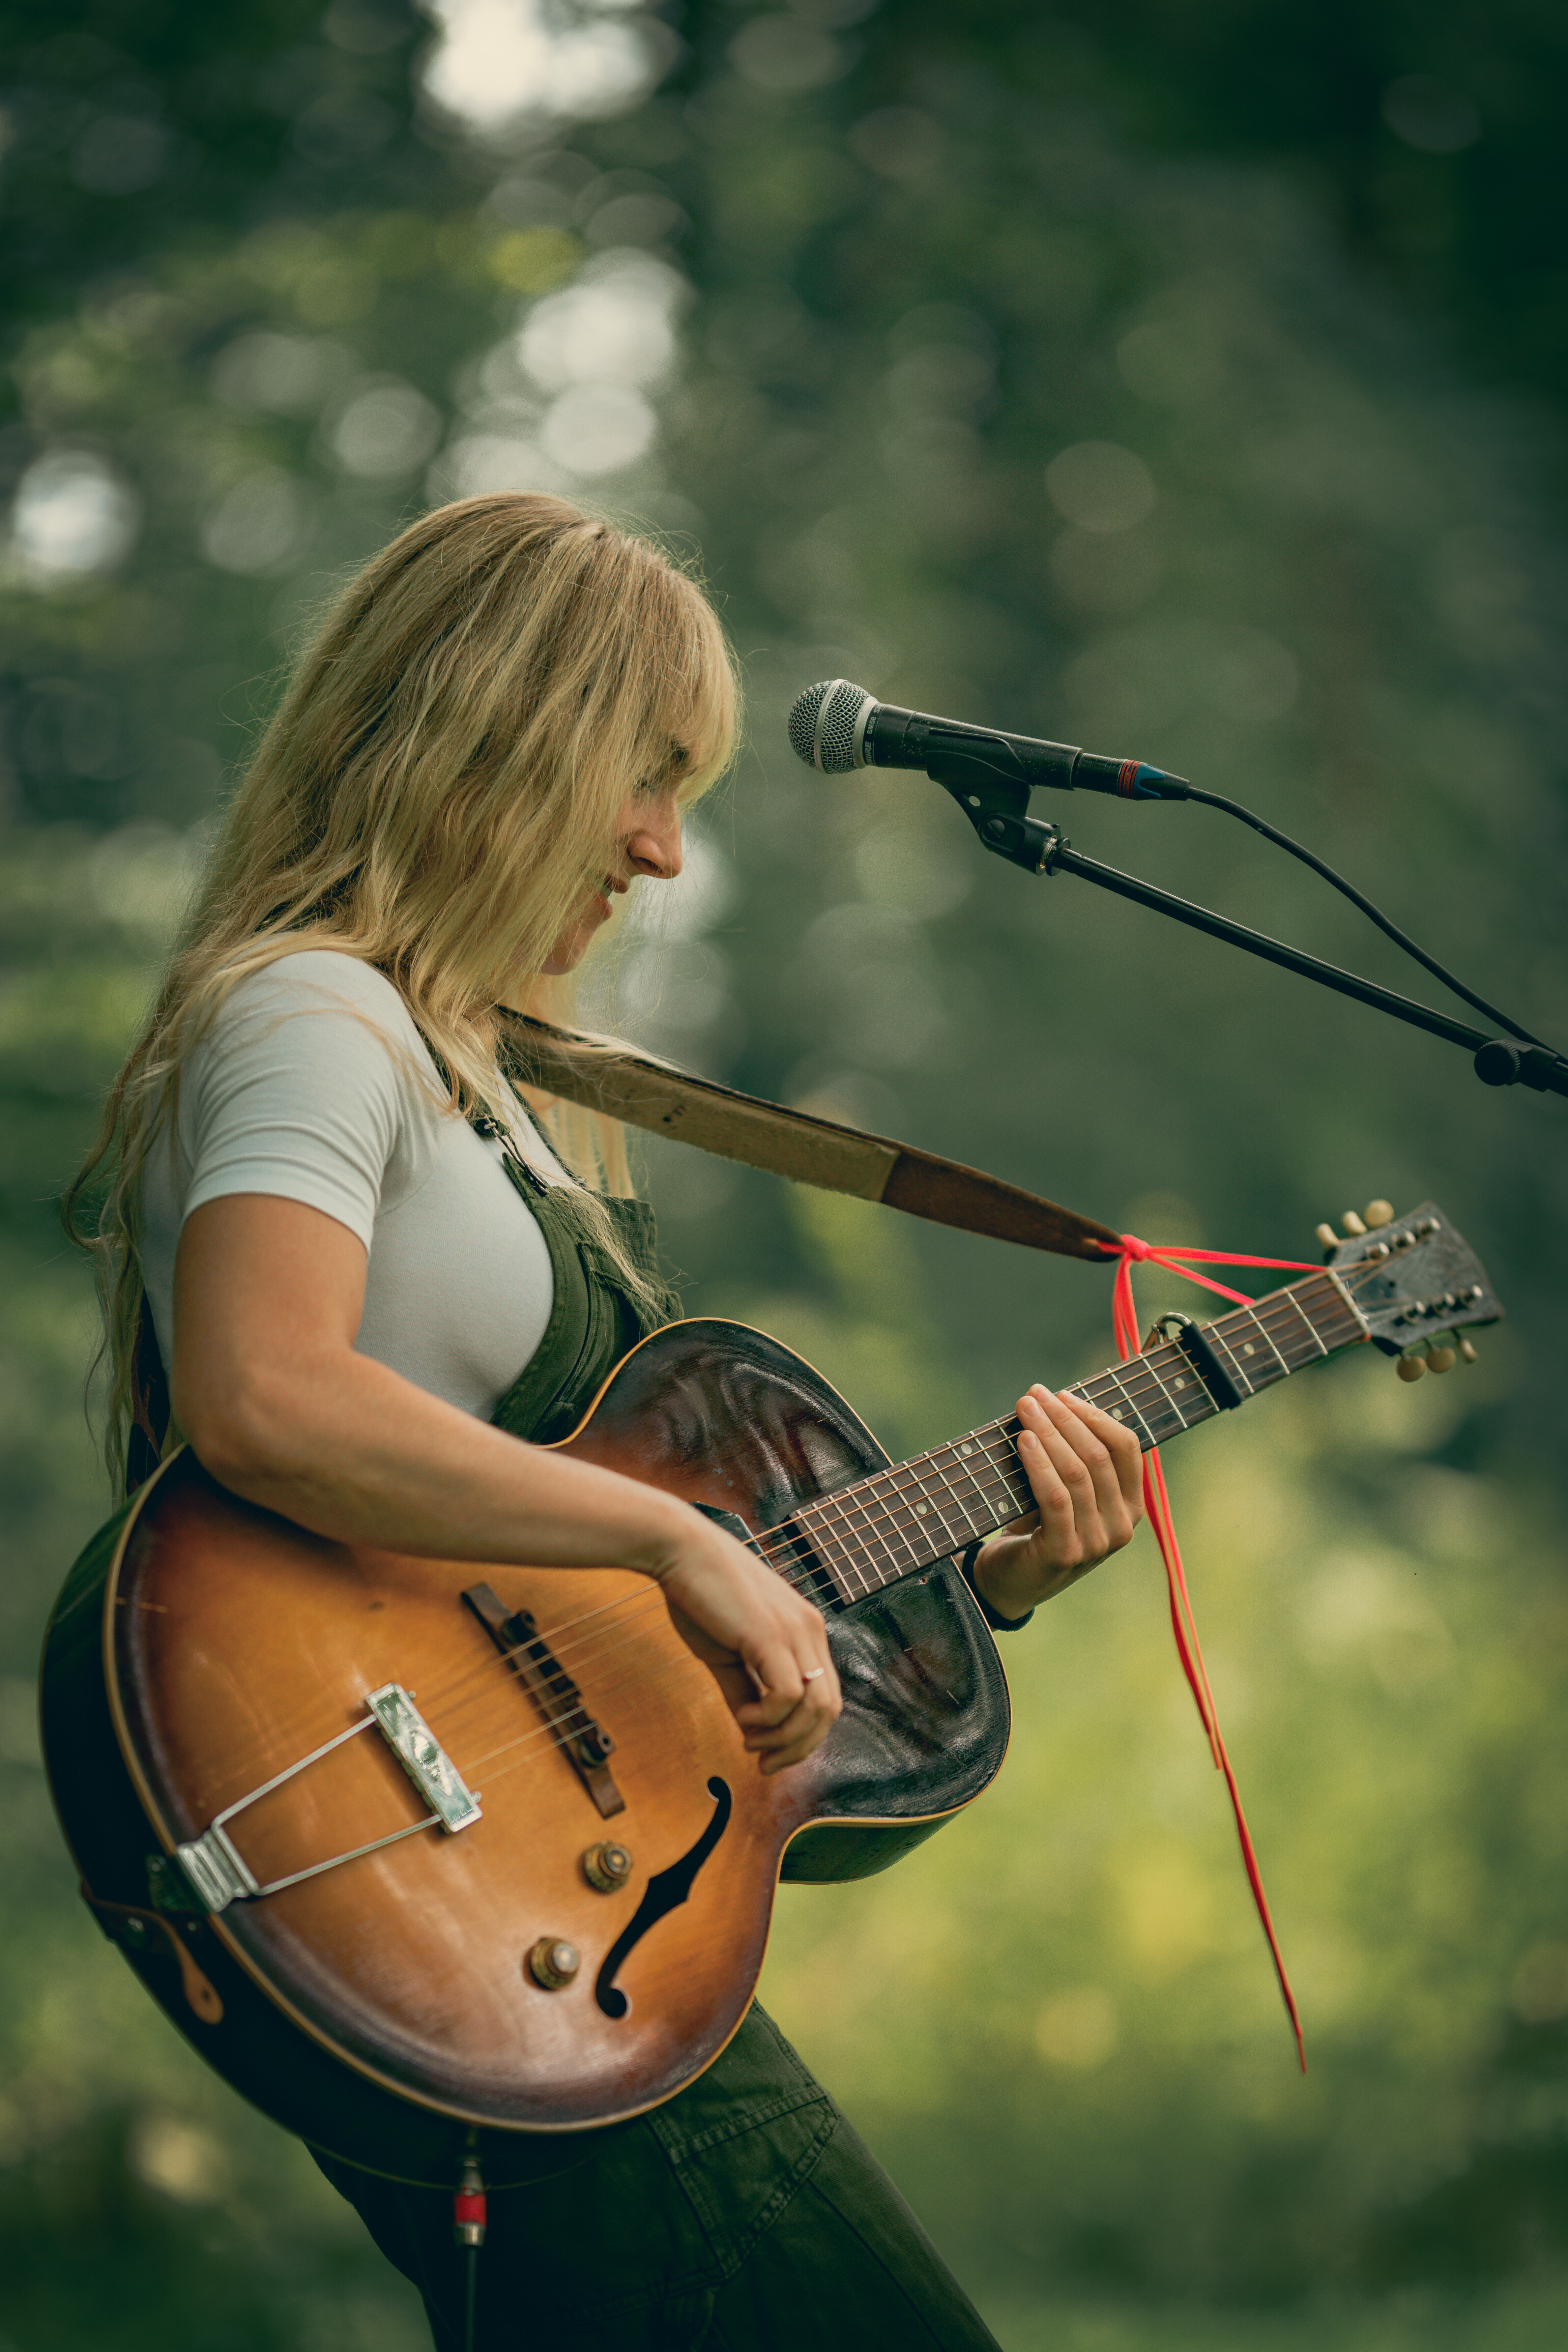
pixel 594 1317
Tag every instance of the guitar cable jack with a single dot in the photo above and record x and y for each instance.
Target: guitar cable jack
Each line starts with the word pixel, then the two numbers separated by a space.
pixel 469 2221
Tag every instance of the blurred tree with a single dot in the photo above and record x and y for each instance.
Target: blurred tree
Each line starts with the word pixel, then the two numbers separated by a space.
pixel 1147 381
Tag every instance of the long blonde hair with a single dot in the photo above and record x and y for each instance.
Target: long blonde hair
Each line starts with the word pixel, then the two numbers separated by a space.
pixel 436 792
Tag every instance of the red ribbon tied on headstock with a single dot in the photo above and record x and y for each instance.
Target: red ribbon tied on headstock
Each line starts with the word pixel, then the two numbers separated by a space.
pixel 1157 1503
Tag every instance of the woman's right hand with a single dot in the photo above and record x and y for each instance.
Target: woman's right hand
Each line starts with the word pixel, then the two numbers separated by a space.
pixel 766 1645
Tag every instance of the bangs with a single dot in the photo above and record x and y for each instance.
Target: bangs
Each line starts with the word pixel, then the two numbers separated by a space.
pixel 699 716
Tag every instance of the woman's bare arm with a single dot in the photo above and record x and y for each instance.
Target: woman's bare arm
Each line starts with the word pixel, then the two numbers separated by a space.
pixel 267 1385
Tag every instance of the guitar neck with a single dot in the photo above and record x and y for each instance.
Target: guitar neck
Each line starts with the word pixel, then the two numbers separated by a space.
pixel 901 1520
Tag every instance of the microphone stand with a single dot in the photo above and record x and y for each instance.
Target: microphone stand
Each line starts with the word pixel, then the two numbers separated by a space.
pixel 996 807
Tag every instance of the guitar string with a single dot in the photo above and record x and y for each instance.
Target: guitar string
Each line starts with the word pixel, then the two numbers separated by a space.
pixel 898 1493
pixel 995 1430
pixel 576 1717
pixel 890 1493
pixel 533 1740
pixel 782 1553
pixel 445 1697
pixel 557 1724
pixel 897 1488
pixel 564 1723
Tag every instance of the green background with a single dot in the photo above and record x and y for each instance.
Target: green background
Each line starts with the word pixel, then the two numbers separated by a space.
pixel 855 288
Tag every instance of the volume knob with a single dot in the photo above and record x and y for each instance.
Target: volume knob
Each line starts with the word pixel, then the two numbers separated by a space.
pixel 608 1866
pixel 553 1962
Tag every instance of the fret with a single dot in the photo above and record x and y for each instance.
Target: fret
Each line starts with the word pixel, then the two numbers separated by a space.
pixel 1144 1429
pixel 1008 1471
pixel 994 1450
pixel 1201 1399
pixel 881 1533
pixel 1103 1390
pixel 907 1517
pixel 1344 1306
pixel 836 1555
pixel 874 1573
pixel 1305 1320
pixel 924 1461
pixel 966 1451
pixel 913 1504
pixel 1251 1315
pixel 1219 1340
pixel 1329 1310
pixel 958 1502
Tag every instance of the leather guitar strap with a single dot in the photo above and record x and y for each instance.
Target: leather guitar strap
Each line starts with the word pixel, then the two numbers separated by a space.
pixel 603 1075
pixel 611 1077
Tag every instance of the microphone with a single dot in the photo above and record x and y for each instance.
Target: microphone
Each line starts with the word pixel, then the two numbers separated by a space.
pixel 836 726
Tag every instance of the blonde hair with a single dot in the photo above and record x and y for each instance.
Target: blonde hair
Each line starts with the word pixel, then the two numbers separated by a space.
pixel 438 792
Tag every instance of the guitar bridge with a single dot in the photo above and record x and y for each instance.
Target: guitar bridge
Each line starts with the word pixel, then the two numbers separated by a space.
pixel 585 1744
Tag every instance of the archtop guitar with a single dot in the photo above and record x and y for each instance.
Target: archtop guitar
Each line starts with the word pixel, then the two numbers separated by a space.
pixel 429 1858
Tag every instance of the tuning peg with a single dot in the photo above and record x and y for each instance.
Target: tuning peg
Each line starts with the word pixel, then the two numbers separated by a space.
pixel 1351 1223
pixel 1442 1358
pixel 1466 1349
pixel 1378 1212
pixel 1327 1237
pixel 1410 1367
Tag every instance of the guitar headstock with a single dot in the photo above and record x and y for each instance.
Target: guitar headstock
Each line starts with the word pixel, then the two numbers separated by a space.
pixel 1415 1279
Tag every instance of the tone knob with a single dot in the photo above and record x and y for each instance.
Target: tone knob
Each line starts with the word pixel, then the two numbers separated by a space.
pixel 608 1866
pixel 553 1962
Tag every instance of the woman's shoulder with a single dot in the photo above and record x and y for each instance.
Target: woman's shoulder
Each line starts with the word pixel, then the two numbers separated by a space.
pixel 321 1011
pixel 322 980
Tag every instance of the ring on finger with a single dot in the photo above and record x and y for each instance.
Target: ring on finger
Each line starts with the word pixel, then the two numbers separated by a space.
pixel 814 1675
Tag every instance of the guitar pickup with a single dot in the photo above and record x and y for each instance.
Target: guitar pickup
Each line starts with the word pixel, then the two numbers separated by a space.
pixel 586 1745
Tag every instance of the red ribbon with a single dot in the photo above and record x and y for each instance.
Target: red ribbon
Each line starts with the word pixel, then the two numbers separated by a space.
pixel 1157 1503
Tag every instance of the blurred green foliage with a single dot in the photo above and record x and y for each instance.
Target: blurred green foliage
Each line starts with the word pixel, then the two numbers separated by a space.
pixel 1188 385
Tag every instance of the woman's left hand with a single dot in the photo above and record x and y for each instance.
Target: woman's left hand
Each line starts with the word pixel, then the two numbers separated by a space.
pixel 1085 1472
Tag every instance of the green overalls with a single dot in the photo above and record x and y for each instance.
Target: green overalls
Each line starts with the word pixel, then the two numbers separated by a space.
pixel 743 2215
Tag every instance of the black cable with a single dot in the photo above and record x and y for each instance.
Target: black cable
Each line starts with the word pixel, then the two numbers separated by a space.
pixel 471 2296
pixel 1348 890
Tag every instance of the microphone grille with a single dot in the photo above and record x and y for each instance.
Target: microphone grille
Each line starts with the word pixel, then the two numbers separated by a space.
pixel 826 726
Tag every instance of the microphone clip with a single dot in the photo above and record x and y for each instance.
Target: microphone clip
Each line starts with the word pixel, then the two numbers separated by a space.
pixel 996 803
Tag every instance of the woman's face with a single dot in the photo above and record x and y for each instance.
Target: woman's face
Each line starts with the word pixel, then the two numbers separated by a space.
pixel 647 841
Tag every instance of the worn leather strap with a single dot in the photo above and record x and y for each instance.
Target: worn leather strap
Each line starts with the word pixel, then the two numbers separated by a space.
pixel 112 1918
pixel 602 1076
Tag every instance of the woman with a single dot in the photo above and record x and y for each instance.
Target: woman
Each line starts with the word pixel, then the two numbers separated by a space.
pixel 378 1284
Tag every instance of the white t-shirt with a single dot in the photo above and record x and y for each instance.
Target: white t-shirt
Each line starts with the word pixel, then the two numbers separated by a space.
pixel 314 1085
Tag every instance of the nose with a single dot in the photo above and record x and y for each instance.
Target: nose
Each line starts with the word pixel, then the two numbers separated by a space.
pixel 652 843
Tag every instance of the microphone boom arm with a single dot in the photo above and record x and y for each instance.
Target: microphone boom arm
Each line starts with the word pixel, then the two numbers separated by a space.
pixel 996 805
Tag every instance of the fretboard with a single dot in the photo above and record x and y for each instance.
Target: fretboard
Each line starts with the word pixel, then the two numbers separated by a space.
pixel 899 1521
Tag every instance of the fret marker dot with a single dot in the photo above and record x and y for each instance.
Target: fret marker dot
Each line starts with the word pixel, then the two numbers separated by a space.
pixel 1179 1383
pixel 966 1449
pixel 1248 1348
pixel 923 1507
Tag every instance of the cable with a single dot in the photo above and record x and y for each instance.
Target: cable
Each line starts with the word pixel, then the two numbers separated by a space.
pixel 1349 890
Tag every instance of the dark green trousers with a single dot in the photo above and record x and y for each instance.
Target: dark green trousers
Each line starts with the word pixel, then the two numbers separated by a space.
pixel 746 2216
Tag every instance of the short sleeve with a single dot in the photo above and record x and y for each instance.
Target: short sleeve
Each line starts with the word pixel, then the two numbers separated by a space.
pixel 307 1088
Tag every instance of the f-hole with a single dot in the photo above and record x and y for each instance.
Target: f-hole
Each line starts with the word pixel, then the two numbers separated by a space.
pixel 666 1892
